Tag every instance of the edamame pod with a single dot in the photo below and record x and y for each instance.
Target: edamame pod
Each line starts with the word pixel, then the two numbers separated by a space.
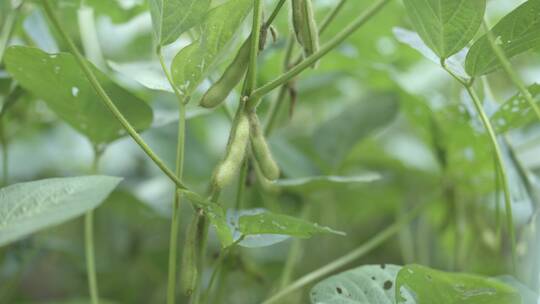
pixel 235 155
pixel 230 78
pixel 189 273
pixel 261 152
pixel 304 25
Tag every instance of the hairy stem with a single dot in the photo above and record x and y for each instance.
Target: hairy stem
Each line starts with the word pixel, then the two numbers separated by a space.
pixel 325 49
pixel 85 67
pixel 365 248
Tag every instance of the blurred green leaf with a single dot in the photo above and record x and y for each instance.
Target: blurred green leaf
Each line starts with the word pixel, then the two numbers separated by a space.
pixel 446 26
pixel 337 136
pixel 171 18
pixel 58 79
pixel 515 112
pixel 26 208
pixel 363 285
pixel 192 64
pixel 517 32
pixel 271 223
pixel 429 286
pixel 315 183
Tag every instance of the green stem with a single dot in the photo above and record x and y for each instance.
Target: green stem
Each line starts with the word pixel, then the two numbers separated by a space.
pixel 365 248
pixel 507 66
pixel 325 49
pixel 175 221
pixel 251 77
pixel 498 154
pixel 169 77
pixel 331 16
pixel 274 14
pixel 7 30
pixel 89 241
pixel 106 99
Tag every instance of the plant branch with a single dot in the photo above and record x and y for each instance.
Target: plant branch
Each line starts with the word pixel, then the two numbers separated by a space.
pixel 325 49
pixel 251 77
pixel 365 248
pixel 85 67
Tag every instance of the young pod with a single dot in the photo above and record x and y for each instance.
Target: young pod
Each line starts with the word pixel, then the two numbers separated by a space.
pixel 230 78
pixel 304 25
pixel 261 152
pixel 235 154
pixel 189 273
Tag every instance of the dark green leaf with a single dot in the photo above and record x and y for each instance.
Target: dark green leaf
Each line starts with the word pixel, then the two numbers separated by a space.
pixel 29 207
pixel 516 33
pixel 516 112
pixel 271 223
pixel 446 26
pixel 428 286
pixel 363 285
pixel 171 18
pixel 336 137
pixel 58 80
pixel 192 64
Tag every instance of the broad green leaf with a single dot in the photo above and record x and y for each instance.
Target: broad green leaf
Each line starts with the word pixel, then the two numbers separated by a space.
pixel 171 18
pixel 527 295
pixel 28 207
pixel 216 214
pixel 515 112
pixel 363 285
pixel 255 240
pixel 271 223
pixel 314 183
pixel 446 26
pixel 148 74
pixel 192 64
pixel 516 33
pixel 429 286
pixel 456 63
pixel 58 80
pixel 337 136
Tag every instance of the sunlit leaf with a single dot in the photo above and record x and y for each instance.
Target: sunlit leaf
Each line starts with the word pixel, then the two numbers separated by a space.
pixel 192 64
pixel 29 207
pixel 148 74
pixel 58 80
pixel 171 18
pixel 446 26
pixel 429 286
pixel 516 33
pixel 255 240
pixel 337 136
pixel 271 223
pixel 516 112
pixel 363 285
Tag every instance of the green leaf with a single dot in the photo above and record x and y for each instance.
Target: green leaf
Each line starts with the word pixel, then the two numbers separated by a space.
pixel 314 183
pixel 363 285
pixel 428 286
pixel 516 33
pixel 28 207
pixel 58 80
pixel 515 112
pixel 192 64
pixel 216 214
pixel 446 26
pixel 172 18
pixel 254 240
pixel 271 223
pixel 337 136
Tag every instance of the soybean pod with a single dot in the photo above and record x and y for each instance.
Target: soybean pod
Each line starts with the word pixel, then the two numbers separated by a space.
pixel 261 151
pixel 230 78
pixel 305 26
pixel 235 154
pixel 189 274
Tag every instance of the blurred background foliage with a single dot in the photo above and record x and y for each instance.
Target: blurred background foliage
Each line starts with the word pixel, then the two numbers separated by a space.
pixel 426 143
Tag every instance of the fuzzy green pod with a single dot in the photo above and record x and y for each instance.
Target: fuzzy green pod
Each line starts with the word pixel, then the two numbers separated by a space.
pixel 261 151
pixel 230 78
pixel 235 155
pixel 189 273
pixel 305 26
